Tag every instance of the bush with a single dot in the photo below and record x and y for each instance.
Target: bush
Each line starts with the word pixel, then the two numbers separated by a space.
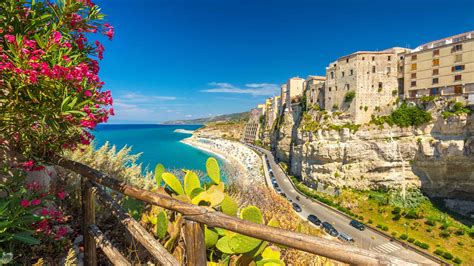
pixel 412 214
pixel 396 217
pixel 422 245
pixel 396 210
pixel 404 116
pixel 350 95
pixel 403 236
pixel 444 234
pixel 411 239
pixel 50 76
pixel 439 252
pixel 370 221
pixel 448 256
pixel 430 222
pixel 457 260
pixel 459 232
pixel 394 234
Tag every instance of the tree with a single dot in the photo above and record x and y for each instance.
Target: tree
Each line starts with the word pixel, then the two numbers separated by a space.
pixel 50 92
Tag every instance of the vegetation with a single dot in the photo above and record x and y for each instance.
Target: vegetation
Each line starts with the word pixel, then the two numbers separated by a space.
pixel 455 109
pixel 50 92
pixel 309 124
pixel 404 116
pixel 350 95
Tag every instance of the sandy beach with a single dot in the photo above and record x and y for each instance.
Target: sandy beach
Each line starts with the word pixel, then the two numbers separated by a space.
pixel 246 161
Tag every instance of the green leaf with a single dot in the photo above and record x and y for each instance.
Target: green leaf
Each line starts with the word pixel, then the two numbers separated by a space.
pixel 270 262
pixel 252 214
pixel 161 224
pixel 133 207
pixel 213 196
pixel 159 170
pixel 223 245
pixel 229 206
pixel 26 237
pixel 191 182
pixel 196 192
pixel 271 253
pixel 212 168
pixel 243 244
pixel 210 236
pixel 173 183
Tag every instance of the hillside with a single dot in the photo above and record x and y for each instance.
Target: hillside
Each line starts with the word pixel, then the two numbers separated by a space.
pixel 236 117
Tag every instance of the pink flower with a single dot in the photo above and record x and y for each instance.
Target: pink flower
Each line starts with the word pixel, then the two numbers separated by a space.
pixel 110 31
pixel 36 202
pixel 100 50
pixel 10 38
pixel 24 203
pixel 56 36
pixel 30 43
pixel 61 232
pixel 88 93
pixel 61 195
pixel 44 212
pixel 111 111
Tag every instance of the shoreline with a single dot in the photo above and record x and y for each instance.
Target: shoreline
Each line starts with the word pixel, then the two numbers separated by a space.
pixel 247 163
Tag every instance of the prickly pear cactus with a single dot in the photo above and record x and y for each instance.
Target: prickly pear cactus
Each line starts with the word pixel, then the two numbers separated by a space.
pixel 161 225
pixel 212 168
pixel 159 170
pixel 173 182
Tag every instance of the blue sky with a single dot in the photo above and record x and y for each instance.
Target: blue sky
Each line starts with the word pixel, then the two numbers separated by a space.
pixel 182 59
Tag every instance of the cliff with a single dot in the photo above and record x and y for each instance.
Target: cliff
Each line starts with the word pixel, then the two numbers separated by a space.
pixel 327 151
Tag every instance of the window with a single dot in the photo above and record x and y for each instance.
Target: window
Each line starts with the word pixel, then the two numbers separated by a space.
pixel 413 84
pixel 435 52
pixel 413 94
pixel 373 69
pixel 347 60
pixel 434 91
pixel 458 89
pixel 436 62
pixel 435 81
pixel 413 66
pixel 352 72
pixel 380 85
pixel 457 68
pixel 332 75
pixel 363 58
pixel 389 70
pixel 458 58
pixel 389 58
pixel 457 77
pixel 456 48
pixel 342 74
pixel 348 86
pixel 413 75
pixel 373 58
pixel 329 88
pixel 435 72
pixel 413 57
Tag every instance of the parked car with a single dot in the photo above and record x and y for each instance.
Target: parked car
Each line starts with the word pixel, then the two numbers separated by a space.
pixel 330 229
pixel 357 225
pixel 278 190
pixel 345 237
pixel 315 220
pixel 283 194
pixel 296 207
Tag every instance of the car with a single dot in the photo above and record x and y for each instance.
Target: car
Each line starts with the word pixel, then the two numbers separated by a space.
pixel 357 225
pixel 283 194
pixel 278 190
pixel 296 207
pixel 315 220
pixel 330 229
pixel 345 237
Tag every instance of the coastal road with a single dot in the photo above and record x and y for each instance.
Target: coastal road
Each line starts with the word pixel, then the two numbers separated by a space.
pixel 367 239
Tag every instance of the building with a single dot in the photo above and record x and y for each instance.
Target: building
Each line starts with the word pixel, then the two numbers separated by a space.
pixel 252 127
pixel 314 88
pixel 294 90
pixel 372 77
pixel 444 67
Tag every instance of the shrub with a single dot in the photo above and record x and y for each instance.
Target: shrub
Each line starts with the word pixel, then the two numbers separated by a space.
pixel 412 214
pixel 394 234
pixel 422 245
pixel 50 76
pixel 335 106
pixel 444 234
pixel 447 255
pixel 403 236
pixel 439 252
pixel 396 217
pixel 411 239
pixel 396 210
pixel 430 222
pixel 370 221
pixel 429 229
pixel 457 260
pixel 459 232
pixel 394 93
pixel 350 95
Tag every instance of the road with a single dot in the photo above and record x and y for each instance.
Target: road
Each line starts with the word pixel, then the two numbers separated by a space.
pixel 367 239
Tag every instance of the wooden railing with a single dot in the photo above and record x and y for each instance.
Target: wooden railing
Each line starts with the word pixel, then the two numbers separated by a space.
pixel 195 217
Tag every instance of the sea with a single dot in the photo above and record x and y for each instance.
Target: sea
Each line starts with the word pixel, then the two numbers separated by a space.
pixel 156 143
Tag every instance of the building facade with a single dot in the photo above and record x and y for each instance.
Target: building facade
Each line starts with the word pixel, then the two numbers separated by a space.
pixel 252 127
pixel 295 88
pixel 373 78
pixel 441 68
pixel 314 89
pixel 283 97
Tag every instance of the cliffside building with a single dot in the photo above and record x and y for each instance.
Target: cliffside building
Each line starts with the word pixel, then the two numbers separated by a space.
pixel 314 89
pixel 372 76
pixel 252 127
pixel 441 68
pixel 295 88
pixel 283 97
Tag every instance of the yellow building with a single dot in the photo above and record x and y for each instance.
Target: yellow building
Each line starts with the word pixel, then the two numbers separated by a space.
pixel 444 67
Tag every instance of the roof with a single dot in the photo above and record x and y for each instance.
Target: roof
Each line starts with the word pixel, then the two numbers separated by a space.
pixel 444 41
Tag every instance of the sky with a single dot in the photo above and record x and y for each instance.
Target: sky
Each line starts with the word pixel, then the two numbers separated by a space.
pixel 186 59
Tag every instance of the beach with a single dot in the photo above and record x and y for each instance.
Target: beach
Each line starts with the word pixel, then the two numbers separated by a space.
pixel 246 161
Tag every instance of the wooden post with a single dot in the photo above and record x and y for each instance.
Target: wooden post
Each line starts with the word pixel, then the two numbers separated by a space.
pixel 88 213
pixel 109 250
pixel 194 243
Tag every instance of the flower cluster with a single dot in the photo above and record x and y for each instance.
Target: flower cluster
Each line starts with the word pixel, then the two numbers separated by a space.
pixel 48 75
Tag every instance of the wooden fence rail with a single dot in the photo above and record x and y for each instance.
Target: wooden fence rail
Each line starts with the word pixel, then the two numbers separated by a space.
pixel 196 217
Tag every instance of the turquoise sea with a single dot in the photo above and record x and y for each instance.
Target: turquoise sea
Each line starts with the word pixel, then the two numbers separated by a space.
pixel 157 143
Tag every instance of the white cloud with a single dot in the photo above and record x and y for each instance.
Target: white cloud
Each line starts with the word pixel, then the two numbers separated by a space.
pixel 141 98
pixel 255 89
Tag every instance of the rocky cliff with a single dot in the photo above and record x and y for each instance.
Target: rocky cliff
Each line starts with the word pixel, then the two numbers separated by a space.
pixel 325 149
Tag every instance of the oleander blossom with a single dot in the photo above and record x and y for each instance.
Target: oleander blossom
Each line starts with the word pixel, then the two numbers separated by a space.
pixel 55 64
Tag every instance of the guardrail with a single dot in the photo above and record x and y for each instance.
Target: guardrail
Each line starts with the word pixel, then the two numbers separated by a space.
pixel 373 229
pixel 195 217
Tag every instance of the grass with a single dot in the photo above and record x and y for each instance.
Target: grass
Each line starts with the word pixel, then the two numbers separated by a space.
pixel 416 220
